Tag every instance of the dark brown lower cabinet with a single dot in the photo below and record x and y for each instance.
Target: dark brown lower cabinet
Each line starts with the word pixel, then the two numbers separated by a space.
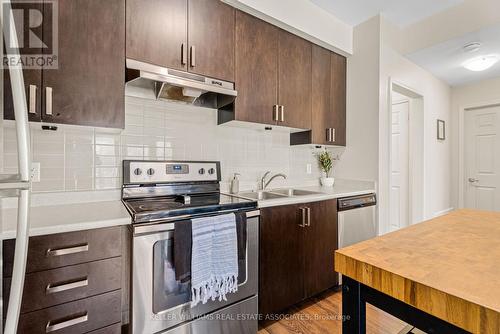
pixel 296 258
pixel 76 282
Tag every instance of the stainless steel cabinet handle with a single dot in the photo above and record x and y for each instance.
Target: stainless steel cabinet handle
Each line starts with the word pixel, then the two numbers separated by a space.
pixel 328 135
pixel 53 288
pixel 276 113
pixel 32 99
pixel 65 324
pixel 282 113
pixel 308 212
pixel 193 56
pixel 48 100
pixel 183 54
pixel 473 180
pixel 303 212
pixel 69 250
pixel 333 135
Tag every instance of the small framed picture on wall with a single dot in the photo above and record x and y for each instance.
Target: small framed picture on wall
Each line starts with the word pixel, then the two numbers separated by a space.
pixel 441 130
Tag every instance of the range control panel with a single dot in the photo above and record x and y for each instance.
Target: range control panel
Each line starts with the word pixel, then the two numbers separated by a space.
pixel 142 172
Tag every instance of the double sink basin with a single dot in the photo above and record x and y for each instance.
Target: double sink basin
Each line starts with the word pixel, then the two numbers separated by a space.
pixel 275 194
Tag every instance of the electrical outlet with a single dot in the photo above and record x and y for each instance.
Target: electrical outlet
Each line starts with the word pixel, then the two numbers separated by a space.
pixel 35 172
pixel 309 169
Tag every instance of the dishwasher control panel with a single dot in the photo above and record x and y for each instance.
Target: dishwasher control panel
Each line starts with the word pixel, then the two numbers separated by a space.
pixel 354 202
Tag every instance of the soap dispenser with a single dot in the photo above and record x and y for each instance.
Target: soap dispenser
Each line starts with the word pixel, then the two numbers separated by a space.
pixel 235 184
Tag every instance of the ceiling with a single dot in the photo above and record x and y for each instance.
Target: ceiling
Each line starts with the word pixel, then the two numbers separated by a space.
pixel 445 60
pixel 399 12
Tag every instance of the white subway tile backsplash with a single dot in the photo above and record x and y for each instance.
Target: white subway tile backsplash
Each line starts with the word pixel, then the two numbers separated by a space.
pixel 83 158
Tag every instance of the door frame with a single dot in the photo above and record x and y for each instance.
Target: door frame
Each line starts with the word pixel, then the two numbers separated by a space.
pixel 416 156
pixel 461 143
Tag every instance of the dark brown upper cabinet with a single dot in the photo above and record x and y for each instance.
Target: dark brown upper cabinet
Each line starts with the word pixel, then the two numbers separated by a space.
pixel 190 35
pixel 211 39
pixel 256 70
pixel 157 32
pixel 338 98
pixel 273 75
pixel 296 256
pixel 294 81
pixel 328 126
pixel 87 86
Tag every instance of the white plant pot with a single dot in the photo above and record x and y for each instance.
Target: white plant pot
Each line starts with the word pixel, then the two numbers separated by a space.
pixel 327 181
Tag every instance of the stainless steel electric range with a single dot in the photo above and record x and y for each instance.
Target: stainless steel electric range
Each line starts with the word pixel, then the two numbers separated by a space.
pixel 158 195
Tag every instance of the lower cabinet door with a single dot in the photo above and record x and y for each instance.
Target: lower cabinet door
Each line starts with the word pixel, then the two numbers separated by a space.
pixel 81 316
pixel 321 241
pixel 281 281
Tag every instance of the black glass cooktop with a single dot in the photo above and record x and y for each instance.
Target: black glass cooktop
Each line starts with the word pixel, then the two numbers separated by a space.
pixel 158 208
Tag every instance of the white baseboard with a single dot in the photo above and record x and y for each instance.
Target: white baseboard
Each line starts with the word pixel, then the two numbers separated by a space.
pixel 443 212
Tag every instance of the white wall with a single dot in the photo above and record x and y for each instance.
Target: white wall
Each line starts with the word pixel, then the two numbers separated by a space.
pixel 437 105
pixel 360 159
pixel 477 94
pixel 303 18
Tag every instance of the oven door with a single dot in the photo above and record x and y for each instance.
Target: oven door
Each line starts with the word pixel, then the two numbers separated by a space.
pixel 159 301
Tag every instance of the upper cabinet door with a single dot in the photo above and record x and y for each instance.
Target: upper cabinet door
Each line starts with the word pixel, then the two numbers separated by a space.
pixel 256 76
pixel 157 32
pixel 32 77
pixel 294 73
pixel 87 88
pixel 211 39
pixel 338 96
pixel 322 112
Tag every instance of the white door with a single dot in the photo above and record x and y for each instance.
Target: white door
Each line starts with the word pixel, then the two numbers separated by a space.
pixel 399 192
pixel 482 159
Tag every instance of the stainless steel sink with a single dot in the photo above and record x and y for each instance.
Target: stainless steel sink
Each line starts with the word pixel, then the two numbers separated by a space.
pixel 293 192
pixel 260 195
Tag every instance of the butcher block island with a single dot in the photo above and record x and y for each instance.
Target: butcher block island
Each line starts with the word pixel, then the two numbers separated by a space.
pixel 441 276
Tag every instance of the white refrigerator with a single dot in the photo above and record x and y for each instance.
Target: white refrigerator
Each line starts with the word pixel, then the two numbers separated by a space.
pixel 17 186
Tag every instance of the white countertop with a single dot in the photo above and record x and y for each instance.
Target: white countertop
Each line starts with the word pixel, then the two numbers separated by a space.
pixel 59 218
pixel 341 188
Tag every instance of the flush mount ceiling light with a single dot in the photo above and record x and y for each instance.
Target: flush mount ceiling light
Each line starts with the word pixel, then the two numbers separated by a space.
pixel 481 63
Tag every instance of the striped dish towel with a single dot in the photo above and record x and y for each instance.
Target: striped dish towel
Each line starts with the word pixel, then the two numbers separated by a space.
pixel 214 259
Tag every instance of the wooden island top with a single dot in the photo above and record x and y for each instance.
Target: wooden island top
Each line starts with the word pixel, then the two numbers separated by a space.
pixel 448 267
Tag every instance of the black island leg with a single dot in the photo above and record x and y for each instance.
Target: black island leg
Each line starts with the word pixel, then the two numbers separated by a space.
pixel 353 307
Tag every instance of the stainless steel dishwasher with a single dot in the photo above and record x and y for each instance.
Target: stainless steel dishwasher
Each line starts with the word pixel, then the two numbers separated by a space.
pixel 357 219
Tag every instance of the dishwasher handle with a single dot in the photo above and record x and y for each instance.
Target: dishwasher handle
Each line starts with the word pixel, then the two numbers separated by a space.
pixel 356 202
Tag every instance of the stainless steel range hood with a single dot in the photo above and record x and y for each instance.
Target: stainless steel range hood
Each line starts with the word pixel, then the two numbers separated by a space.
pixel 156 82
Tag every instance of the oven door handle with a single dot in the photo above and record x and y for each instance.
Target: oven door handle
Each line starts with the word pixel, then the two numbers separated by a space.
pixel 157 228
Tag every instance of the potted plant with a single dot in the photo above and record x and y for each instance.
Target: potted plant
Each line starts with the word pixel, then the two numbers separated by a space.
pixel 325 162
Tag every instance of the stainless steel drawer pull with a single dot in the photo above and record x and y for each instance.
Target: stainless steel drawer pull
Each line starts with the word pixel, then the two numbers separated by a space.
pixel 48 100
pixel 53 288
pixel 333 135
pixel 193 56
pixel 282 113
pixel 67 251
pixel 32 99
pixel 276 113
pixel 328 135
pixel 52 327
pixel 183 54
pixel 308 211
pixel 303 212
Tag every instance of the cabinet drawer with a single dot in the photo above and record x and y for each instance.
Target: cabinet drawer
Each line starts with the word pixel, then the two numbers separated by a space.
pixel 113 329
pixel 77 317
pixel 52 287
pixel 64 249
